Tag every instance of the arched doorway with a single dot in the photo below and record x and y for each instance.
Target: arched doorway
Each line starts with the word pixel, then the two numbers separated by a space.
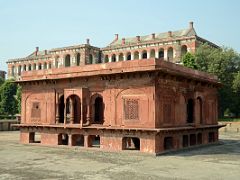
pixel 61 109
pixel 73 109
pixel 98 110
pixel 170 54
pixel 190 111
pixel 78 59
pixel 161 53
pixel 67 61
pixel 183 50
pixel 114 58
pixel 152 53
pixel 136 55
pixel 90 59
pixel 144 55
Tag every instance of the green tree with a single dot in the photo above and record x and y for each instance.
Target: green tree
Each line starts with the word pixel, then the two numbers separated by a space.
pixel 225 63
pixel 19 97
pixel 188 60
pixel 1 81
pixel 8 104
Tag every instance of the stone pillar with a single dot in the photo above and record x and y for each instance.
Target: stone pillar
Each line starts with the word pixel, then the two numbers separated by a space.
pixel 65 114
pixel 165 54
pixel 148 54
pixel 117 58
pixel 86 141
pixel 124 57
pixel 71 110
pixel 69 139
pixel 110 59
pixel 156 53
pixel 57 108
pixel 132 55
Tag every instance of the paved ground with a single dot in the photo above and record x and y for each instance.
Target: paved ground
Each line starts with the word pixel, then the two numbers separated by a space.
pixel 220 161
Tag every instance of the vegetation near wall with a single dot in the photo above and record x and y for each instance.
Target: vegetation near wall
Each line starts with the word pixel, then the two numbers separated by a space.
pixel 10 97
pixel 225 63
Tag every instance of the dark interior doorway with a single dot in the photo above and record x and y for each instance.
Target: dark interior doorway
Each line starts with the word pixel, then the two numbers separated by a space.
pixel 61 109
pixel 98 110
pixel 190 111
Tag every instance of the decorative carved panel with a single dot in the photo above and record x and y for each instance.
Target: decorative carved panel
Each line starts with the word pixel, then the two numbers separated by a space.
pixel 131 109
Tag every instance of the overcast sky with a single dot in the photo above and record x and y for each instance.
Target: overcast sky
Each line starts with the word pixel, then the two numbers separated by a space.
pixel 25 24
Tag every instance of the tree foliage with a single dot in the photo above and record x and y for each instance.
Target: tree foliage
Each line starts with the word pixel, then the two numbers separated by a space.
pixel 225 63
pixel 8 101
pixel 188 60
pixel 19 98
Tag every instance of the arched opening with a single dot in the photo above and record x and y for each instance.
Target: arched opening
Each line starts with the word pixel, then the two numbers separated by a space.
pixel 34 137
pixel 77 140
pixel 106 59
pixel 129 56
pixel 99 57
pixel 161 53
pixel 144 55
pixel 73 109
pixel 45 65
pixel 90 59
pixel 136 55
pixel 24 67
pixel 170 54
pixel 199 110
pixel 183 50
pixel 49 65
pixel 114 58
pixel 98 110
pixel 34 66
pixel 190 111
pixel 19 70
pixel 29 67
pixel 67 61
pixel 56 62
pixel 94 141
pixel 120 57
pixel 152 53
pixel 130 143
pixel 61 109
pixel 63 139
pixel 39 66
pixel 78 59
pixel 168 143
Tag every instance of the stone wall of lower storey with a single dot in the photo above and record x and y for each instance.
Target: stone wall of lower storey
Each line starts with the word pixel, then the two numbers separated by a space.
pixel 118 140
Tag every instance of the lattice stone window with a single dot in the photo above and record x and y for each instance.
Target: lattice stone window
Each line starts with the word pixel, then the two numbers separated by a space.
pixel 131 109
pixel 36 111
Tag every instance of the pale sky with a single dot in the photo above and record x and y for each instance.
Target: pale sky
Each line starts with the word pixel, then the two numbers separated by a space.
pixel 48 24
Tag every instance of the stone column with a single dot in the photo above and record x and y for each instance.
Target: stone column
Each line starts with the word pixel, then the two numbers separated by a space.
pixel 69 139
pixel 65 114
pixel 86 141
pixel 124 57
pixel 132 55
pixel 71 110
pixel 148 54
pixel 57 108
pixel 117 58
pixel 156 53
pixel 165 54
pixel 110 59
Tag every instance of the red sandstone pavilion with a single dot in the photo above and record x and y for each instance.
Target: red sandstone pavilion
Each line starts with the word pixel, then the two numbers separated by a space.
pixel 128 95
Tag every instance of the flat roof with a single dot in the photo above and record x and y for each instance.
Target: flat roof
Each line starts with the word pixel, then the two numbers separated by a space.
pixel 142 65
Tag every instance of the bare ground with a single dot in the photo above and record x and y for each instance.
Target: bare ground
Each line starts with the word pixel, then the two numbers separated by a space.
pixel 220 161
